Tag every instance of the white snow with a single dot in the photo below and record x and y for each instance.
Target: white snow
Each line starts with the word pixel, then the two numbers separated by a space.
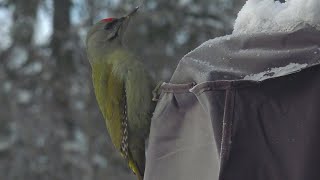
pixel 211 43
pixel 6 23
pixel 79 144
pixel 182 37
pixel 18 58
pixel 273 16
pixel 184 2
pixel 276 72
pixel 7 86
pixel 256 16
pixel 24 96
pixel 100 160
pixel 43 27
pixel 206 68
pixel 33 68
pixel 79 105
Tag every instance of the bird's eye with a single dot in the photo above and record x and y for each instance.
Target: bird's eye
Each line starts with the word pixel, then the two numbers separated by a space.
pixel 110 25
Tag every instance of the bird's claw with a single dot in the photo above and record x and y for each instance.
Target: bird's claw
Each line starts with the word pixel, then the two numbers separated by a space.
pixel 156 92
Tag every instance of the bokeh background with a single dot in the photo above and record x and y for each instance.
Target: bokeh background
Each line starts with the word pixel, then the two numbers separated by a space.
pixel 50 124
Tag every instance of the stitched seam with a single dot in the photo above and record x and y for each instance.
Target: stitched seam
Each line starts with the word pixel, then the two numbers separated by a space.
pixel 227 129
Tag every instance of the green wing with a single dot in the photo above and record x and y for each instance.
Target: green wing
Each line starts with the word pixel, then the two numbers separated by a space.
pixel 122 77
pixel 139 100
pixel 109 93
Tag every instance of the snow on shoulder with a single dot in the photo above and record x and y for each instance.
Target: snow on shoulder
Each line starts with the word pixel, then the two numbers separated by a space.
pixel 270 40
pixel 273 16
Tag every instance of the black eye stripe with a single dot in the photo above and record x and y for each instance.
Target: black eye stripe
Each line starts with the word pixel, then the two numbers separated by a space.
pixel 110 25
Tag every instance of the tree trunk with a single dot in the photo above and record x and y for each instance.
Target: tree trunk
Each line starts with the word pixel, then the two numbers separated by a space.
pixel 24 18
pixel 61 44
pixel 21 33
pixel 61 38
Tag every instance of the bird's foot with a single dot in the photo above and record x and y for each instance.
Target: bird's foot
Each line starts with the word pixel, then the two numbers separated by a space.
pixel 156 91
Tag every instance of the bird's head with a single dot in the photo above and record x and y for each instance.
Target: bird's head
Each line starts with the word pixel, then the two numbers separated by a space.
pixel 108 33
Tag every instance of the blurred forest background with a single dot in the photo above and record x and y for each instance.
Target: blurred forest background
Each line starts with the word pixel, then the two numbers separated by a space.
pixel 50 124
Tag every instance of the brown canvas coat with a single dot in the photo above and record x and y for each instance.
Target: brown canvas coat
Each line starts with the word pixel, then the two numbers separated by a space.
pixel 243 107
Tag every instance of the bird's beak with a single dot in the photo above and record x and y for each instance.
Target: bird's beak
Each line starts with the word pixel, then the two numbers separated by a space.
pixel 125 21
pixel 132 12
